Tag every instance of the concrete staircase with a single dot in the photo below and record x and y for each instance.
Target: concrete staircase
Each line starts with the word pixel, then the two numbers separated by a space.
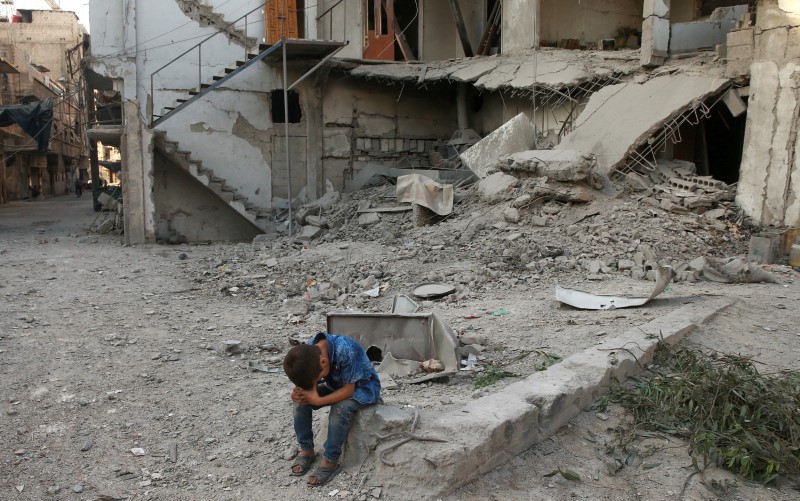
pixel 204 14
pixel 217 81
pixel 262 219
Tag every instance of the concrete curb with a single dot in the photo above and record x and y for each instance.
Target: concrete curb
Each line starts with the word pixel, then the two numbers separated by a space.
pixel 487 432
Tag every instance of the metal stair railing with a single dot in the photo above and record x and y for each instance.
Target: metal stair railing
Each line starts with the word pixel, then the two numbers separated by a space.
pixel 199 48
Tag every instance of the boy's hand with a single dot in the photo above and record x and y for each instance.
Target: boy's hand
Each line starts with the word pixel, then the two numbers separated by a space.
pixel 305 397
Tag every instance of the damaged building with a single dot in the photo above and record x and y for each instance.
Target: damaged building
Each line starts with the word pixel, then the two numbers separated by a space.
pixel 234 115
pixel 42 126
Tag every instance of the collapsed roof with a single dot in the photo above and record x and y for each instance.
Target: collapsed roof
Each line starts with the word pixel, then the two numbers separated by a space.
pixel 558 74
pixel 621 118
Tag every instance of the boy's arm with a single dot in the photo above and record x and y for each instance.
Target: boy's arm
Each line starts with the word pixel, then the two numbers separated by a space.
pixel 312 397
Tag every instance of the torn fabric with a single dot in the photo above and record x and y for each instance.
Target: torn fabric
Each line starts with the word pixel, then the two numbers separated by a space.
pixel 588 301
pixel 425 192
pixel 35 119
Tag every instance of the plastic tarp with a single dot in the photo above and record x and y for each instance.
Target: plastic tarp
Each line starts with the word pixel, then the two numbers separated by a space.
pixel 35 119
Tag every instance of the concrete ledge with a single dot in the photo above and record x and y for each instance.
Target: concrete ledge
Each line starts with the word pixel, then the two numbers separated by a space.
pixel 487 432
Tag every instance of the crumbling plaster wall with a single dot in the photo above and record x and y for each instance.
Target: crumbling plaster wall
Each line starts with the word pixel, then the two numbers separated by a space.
pixel 382 124
pixel 588 20
pixel 131 39
pixel 224 129
pixel 769 182
pixel 182 207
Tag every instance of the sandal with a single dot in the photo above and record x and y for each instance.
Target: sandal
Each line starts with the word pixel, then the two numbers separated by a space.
pixel 304 463
pixel 325 475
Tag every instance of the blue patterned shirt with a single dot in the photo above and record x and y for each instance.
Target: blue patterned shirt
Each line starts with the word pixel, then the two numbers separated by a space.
pixel 349 364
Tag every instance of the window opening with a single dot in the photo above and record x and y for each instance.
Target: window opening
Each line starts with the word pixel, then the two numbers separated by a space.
pixel 295 111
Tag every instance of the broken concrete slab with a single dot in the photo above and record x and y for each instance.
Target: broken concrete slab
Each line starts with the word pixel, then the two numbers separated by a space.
pixel 108 201
pixel 557 165
pixel 423 191
pixel 489 431
pixel 620 118
pixel 514 136
pixel 497 186
pixel 368 219
pixel 310 232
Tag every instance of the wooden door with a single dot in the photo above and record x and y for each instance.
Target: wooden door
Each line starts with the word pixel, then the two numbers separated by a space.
pixel 277 25
pixel 379 40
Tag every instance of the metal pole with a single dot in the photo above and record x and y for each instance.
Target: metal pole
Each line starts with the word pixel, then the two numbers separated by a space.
pixel 245 38
pixel 286 126
pixel 199 67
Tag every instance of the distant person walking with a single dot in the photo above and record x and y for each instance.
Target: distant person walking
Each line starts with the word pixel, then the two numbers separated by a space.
pixel 78 187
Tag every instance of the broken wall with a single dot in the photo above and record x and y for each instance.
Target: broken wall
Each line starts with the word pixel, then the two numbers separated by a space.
pixel 182 208
pixel 588 20
pixel 388 125
pixel 706 33
pixel 769 182
pixel 438 36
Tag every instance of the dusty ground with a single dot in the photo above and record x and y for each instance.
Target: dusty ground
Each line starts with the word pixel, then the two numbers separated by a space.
pixel 105 348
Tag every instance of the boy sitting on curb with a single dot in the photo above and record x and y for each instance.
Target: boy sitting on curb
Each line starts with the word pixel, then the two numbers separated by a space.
pixel 331 371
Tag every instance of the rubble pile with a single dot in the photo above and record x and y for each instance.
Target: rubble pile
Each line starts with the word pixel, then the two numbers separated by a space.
pixel 677 188
pixel 532 230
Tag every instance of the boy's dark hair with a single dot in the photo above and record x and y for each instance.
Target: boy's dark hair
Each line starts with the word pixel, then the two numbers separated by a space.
pixel 302 365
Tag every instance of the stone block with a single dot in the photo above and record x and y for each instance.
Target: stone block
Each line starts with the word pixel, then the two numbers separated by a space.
pixel 557 165
pixel 367 423
pixel 310 232
pixel 368 219
pixel 511 215
pixel 296 306
pixel 512 137
pixel 497 186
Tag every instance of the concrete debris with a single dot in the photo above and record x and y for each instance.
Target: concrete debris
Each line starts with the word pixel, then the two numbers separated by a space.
pixel 678 189
pixel 737 271
pixel 108 201
pixel 230 347
pixel 368 219
pixel 620 118
pixel 425 192
pixel 511 215
pixel 514 136
pixel 309 232
pixel 588 301
pixel 497 186
pixel 556 165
